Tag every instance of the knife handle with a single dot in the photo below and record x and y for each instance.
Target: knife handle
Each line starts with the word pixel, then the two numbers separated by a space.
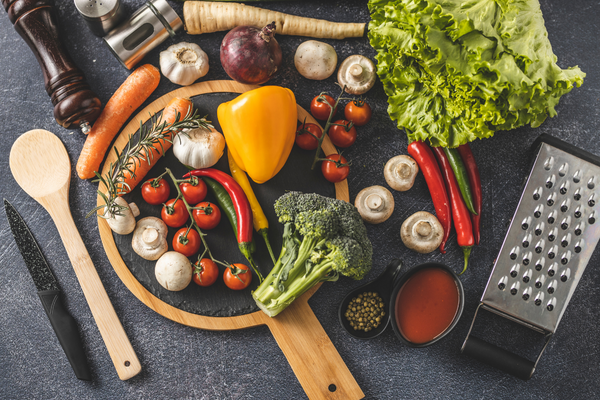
pixel 66 330
pixel 75 104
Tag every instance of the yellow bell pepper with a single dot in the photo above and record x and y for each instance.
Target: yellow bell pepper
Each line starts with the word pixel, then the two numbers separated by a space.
pixel 260 128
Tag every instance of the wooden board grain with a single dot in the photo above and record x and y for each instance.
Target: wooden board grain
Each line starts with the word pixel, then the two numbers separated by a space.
pixel 315 361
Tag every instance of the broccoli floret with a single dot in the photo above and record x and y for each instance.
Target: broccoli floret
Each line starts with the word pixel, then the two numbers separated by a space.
pixel 323 238
pixel 292 203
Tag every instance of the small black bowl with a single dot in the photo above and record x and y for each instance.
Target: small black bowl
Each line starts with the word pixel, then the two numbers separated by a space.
pixel 403 280
pixel 383 285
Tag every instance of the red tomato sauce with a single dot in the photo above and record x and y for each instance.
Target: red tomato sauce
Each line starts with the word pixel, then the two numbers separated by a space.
pixel 426 305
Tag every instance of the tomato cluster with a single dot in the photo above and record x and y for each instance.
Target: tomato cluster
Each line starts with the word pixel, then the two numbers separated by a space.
pixel 341 132
pixel 187 241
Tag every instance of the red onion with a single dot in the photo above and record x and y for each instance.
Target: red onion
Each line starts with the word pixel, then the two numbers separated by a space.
pixel 251 55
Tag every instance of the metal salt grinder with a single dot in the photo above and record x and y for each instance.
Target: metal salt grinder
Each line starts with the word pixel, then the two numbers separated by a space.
pixel 101 16
pixel 148 27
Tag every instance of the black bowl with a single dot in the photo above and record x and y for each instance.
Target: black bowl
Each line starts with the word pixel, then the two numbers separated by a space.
pixel 402 281
pixel 383 285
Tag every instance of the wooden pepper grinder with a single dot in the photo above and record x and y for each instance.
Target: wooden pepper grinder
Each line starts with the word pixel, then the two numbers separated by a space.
pixel 75 105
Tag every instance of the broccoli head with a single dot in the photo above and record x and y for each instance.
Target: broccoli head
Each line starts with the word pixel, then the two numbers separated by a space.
pixel 323 238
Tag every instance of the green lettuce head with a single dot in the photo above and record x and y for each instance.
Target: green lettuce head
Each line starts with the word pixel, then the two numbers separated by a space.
pixel 457 70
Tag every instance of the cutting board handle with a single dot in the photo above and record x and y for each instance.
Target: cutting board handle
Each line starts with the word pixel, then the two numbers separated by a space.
pixel 313 358
pixel 74 102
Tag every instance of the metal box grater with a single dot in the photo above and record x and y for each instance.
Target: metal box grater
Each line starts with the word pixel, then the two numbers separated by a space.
pixel 551 238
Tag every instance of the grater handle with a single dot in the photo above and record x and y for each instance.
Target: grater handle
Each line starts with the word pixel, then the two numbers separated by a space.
pixel 498 358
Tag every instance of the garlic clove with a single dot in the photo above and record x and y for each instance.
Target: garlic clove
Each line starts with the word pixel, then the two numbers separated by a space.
pixel 183 63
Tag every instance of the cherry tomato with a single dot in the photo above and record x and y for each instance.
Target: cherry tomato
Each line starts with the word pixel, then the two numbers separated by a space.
pixel 304 139
pixel 174 213
pixel 208 218
pixel 188 246
pixel 156 191
pixel 237 277
pixel 206 272
pixel 358 112
pixel 193 193
pixel 319 109
pixel 343 134
pixel 334 171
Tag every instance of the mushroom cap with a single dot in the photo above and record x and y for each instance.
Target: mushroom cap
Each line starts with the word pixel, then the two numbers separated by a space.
pixel 124 223
pixel 422 232
pixel 315 60
pixel 357 73
pixel 400 172
pixel 173 271
pixel 149 239
pixel 375 204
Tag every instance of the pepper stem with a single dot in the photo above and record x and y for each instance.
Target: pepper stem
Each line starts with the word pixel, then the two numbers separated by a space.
pixel 467 253
pixel 265 235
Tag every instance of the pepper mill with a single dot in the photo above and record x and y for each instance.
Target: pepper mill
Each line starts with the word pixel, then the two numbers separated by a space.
pixel 75 105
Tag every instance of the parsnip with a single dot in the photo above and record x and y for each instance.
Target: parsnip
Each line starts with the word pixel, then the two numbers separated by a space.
pixel 205 17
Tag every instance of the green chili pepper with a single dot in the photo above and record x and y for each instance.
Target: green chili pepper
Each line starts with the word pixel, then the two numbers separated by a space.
pixel 460 173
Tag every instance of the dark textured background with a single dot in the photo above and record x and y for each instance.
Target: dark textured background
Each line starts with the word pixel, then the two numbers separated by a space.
pixel 182 362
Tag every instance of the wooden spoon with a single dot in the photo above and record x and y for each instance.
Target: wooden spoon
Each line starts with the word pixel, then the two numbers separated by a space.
pixel 40 164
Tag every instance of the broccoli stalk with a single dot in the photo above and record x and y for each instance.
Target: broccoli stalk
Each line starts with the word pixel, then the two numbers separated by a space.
pixel 322 239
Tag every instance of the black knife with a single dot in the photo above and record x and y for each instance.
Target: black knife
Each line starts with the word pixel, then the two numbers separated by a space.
pixel 63 323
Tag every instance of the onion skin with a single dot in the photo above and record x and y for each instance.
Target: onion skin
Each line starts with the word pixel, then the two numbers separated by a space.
pixel 251 55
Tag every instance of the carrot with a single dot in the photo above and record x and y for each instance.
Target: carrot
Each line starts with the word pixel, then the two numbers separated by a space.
pixel 143 163
pixel 129 96
pixel 205 17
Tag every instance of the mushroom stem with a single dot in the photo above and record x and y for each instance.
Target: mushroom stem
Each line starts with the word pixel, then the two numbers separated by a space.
pixel 151 237
pixel 134 209
pixel 422 229
pixel 374 201
pixel 403 170
pixel 356 71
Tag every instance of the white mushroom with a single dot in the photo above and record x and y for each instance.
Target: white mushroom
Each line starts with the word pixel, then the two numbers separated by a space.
pixel 123 223
pixel 422 232
pixel 173 271
pixel 150 238
pixel 375 204
pixel 400 172
pixel 357 73
pixel 315 60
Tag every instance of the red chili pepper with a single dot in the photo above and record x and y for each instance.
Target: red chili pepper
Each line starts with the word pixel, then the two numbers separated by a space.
pixel 473 172
pixel 460 212
pixel 242 210
pixel 435 182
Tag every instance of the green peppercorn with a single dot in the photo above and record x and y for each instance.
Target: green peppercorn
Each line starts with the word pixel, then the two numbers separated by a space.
pixel 365 312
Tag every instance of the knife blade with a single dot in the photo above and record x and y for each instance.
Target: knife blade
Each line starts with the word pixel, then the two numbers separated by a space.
pixel 63 323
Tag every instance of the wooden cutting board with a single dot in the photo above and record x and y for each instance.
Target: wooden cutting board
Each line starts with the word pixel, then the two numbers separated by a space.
pixel 311 354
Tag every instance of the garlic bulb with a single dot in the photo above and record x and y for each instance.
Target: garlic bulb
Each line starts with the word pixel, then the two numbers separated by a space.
pixel 199 148
pixel 183 63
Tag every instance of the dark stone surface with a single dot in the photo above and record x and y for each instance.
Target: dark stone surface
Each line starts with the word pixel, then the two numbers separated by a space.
pixel 182 362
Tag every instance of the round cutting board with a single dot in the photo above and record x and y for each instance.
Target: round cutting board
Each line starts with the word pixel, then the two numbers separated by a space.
pixel 315 361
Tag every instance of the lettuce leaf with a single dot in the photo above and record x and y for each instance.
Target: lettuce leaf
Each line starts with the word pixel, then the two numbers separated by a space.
pixel 458 70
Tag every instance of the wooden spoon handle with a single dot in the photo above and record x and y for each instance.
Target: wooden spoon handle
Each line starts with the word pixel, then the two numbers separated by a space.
pixel 119 348
pixel 313 358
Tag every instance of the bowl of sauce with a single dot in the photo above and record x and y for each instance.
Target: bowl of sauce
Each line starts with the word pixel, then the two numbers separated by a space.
pixel 426 304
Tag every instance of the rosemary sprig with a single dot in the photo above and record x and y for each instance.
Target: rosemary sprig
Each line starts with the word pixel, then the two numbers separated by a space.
pixel 134 154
